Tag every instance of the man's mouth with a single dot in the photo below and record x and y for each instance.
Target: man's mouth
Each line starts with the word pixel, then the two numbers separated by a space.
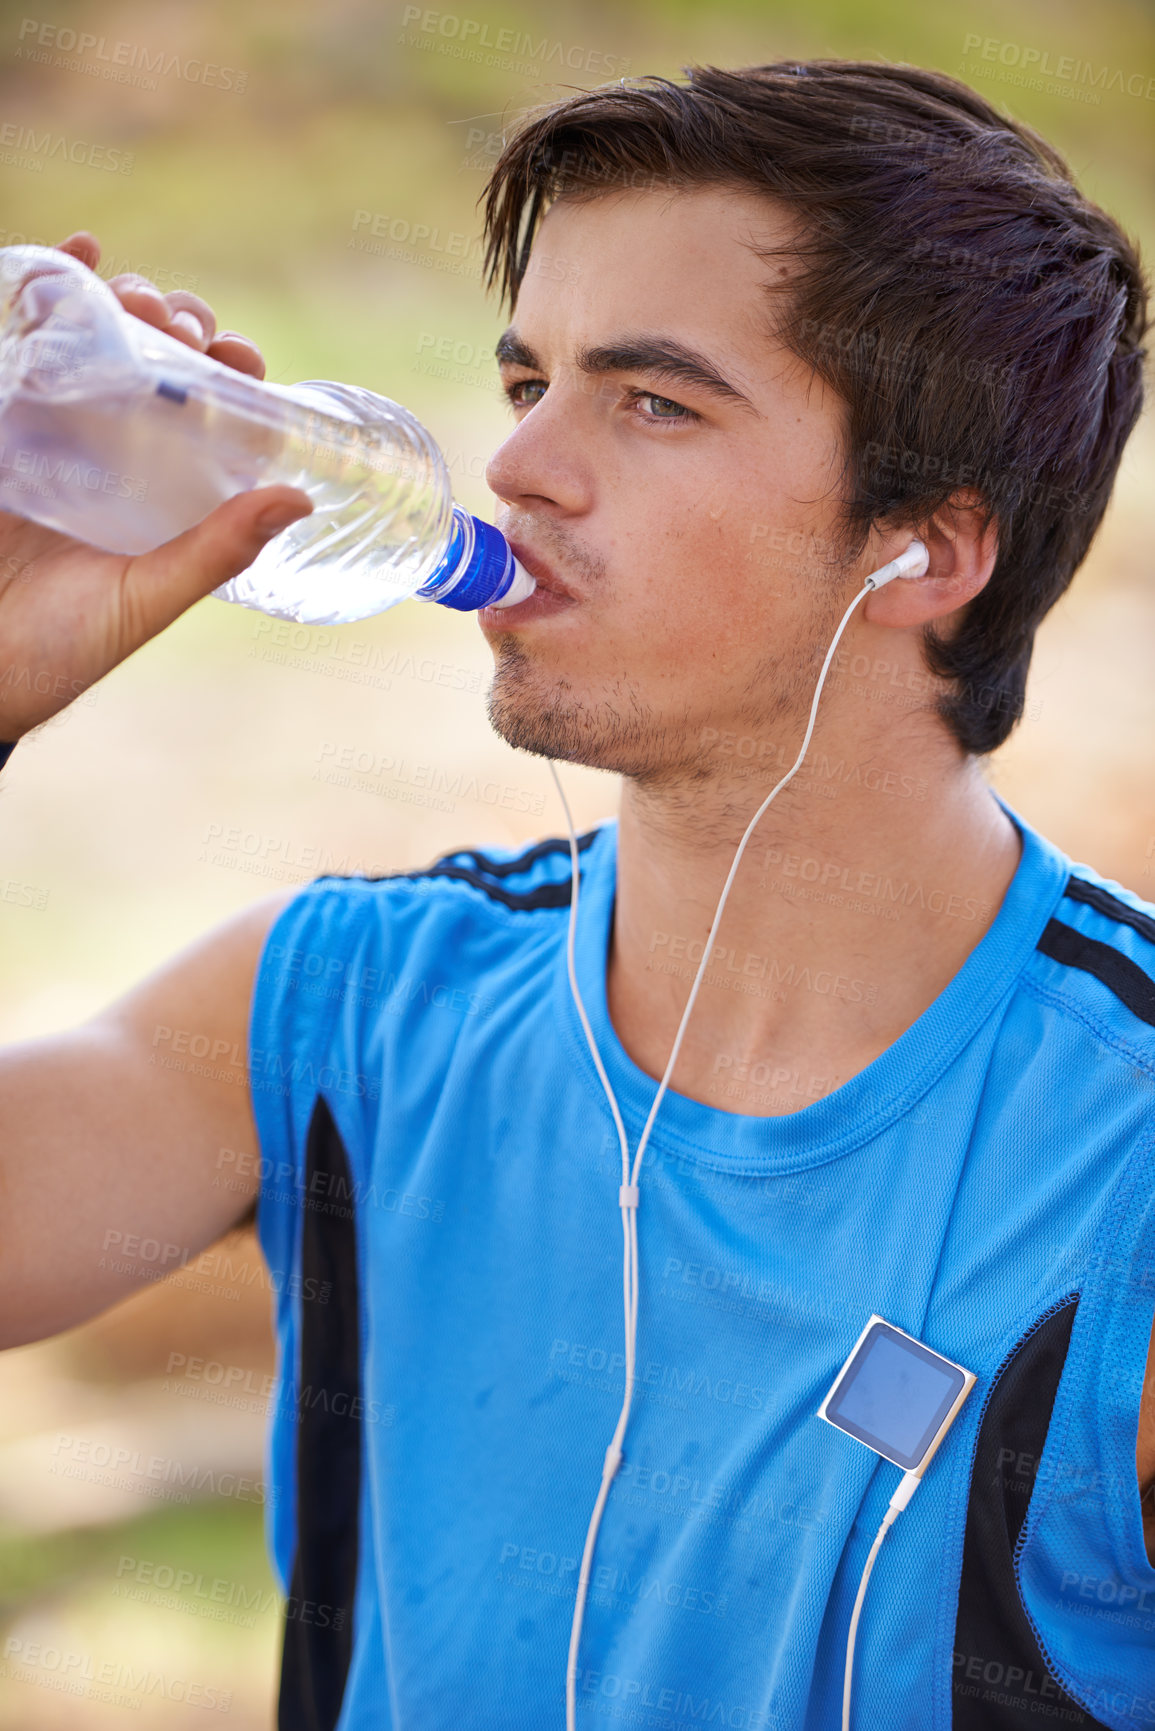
pixel 543 575
pixel 552 594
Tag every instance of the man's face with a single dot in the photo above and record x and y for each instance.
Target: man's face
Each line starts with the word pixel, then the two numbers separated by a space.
pixel 686 503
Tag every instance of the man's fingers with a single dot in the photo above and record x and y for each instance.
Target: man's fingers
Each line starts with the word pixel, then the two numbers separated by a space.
pixel 82 246
pixel 187 327
pixel 189 318
pixel 234 350
pixel 182 302
pixel 142 299
pixel 160 585
pixel 180 314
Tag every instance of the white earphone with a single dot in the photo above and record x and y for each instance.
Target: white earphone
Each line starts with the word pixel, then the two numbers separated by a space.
pixel 912 563
pixel 915 562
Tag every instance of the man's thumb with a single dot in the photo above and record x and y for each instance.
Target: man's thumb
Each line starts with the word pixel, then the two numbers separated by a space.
pixel 192 565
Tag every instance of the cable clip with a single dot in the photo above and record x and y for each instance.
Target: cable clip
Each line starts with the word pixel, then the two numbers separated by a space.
pixel 627 1196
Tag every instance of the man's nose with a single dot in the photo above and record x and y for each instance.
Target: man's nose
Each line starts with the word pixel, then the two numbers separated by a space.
pixel 545 457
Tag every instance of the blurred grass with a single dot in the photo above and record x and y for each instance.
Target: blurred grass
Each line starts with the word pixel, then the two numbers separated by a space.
pixel 81 1605
pixel 212 1540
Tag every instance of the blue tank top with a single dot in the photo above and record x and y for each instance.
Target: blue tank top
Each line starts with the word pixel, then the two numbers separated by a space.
pixel 439 1213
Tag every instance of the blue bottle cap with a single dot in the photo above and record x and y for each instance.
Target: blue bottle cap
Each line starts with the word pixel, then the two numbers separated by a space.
pixel 477 570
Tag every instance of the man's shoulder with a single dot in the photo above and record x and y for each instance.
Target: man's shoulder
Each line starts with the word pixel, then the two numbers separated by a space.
pixel 474 903
pixel 1096 954
pixel 361 953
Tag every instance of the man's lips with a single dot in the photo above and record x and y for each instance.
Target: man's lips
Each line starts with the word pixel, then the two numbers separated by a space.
pixel 542 574
pixel 550 596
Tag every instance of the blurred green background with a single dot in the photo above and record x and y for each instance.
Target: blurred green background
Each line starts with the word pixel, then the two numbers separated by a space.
pixel 244 151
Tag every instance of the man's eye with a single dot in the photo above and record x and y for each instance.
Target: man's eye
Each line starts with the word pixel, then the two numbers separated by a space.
pixel 516 392
pixel 663 408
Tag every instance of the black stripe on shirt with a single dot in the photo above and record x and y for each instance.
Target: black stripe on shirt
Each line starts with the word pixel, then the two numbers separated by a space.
pixel 504 868
pixel 484 870
pixel 999 1678
pixel 1105 903
pixel 1117 972
pixel 525 901
pixel 318 1647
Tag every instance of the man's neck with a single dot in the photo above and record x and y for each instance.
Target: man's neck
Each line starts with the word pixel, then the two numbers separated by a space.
pixel 860 895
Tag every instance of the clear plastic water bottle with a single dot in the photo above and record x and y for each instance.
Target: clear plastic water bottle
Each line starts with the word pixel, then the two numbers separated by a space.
pixel 122 436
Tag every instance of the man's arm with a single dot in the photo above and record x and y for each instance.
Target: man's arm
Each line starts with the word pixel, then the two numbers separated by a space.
pixel 1145 1450
pixel 110 1135
pixel 111 1153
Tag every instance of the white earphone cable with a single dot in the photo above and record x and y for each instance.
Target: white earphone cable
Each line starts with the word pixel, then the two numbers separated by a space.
pixel 898 1502
pixel 905 565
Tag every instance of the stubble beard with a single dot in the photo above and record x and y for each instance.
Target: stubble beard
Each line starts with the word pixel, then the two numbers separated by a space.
pixel 619 734
pixel 622 733
pixel 675 748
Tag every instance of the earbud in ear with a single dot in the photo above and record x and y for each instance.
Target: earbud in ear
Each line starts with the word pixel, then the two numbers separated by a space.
pixel 915 562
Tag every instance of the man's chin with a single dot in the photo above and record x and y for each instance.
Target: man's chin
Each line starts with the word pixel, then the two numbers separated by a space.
pixel 538 725
pixel 543 716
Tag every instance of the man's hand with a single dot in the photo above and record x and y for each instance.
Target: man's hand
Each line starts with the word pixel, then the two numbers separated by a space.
pixel 69 612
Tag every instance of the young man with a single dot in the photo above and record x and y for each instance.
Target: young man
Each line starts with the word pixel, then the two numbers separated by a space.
pixel 771 325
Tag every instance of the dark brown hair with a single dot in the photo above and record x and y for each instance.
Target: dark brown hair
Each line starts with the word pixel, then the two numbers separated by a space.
pixel 979 317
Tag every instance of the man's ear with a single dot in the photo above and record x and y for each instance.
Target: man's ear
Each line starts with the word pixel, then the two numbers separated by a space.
pixel 963 547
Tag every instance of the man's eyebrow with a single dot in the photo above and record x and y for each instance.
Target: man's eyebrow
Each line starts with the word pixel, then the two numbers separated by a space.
pixel 513 351
pixel 659 357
